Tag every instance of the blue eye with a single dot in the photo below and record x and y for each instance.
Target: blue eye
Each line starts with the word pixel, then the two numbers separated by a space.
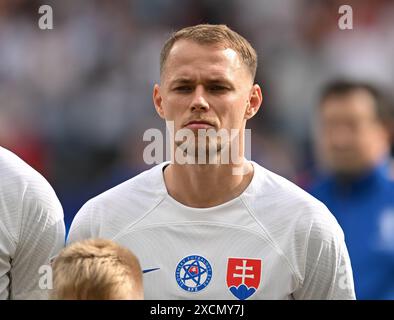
pixel 217 88
pixel 183 89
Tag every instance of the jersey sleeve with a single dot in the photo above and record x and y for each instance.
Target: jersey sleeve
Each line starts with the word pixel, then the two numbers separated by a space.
pixel 41 236
pixel 81 226
pixel 328 272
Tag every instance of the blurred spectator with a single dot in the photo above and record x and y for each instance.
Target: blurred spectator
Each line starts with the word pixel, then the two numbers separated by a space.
pixel 353 150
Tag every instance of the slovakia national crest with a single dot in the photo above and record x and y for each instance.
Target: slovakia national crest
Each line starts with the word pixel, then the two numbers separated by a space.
pixel 243 276
pixel 193 273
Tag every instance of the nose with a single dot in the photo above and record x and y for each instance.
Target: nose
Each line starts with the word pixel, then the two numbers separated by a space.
pixel 199 102
pixel 341 137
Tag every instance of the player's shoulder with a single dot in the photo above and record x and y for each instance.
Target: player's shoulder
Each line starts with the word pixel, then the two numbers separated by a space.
pixel 145 186
pixel 14 170
pixel 275 199
pixel 292 219
pixel 25 195
pixel 128 200
pixel 269 185
pixel 20 180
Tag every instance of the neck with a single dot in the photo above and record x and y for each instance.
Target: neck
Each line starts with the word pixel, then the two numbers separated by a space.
pixel 203 186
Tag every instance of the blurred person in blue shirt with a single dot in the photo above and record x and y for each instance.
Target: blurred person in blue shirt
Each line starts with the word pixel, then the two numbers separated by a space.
pixel 356 184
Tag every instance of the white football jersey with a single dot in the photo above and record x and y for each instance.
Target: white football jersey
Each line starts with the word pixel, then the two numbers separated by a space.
pixel 274 241
pixel 31 229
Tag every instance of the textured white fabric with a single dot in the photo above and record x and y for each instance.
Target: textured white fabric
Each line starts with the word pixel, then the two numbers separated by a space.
pixel 31 228
pixel 299 242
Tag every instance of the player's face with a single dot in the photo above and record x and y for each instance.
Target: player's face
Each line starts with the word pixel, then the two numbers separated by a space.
pixel 351 137
pixel 206 87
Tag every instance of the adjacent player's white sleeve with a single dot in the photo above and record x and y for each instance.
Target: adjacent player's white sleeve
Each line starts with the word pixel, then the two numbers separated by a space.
pixel 81 227
pixel 41 236
pixel 328 272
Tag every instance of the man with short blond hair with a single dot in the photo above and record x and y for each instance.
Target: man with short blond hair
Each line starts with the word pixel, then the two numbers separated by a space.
pixel 220 230
pixel 209 35
pixel 96 269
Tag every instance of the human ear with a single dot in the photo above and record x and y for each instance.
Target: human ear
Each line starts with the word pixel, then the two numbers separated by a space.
pixel 254 101
pixel 158 101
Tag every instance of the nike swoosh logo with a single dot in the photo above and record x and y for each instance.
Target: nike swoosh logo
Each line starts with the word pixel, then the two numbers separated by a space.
pixel 149 270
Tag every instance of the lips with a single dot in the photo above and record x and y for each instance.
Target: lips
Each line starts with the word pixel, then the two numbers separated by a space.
pixel 199 124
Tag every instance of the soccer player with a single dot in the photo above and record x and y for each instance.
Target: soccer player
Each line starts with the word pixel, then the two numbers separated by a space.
pixel 357 180
pixel 96 269
pixel 31 229
pixel 224 230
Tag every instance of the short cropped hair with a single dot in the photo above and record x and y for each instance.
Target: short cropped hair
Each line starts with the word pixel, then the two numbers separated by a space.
pixel 343 87
pixel 96 269
pixel 213 34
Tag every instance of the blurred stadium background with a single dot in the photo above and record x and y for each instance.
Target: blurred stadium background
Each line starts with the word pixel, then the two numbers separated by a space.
pixel 76 100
